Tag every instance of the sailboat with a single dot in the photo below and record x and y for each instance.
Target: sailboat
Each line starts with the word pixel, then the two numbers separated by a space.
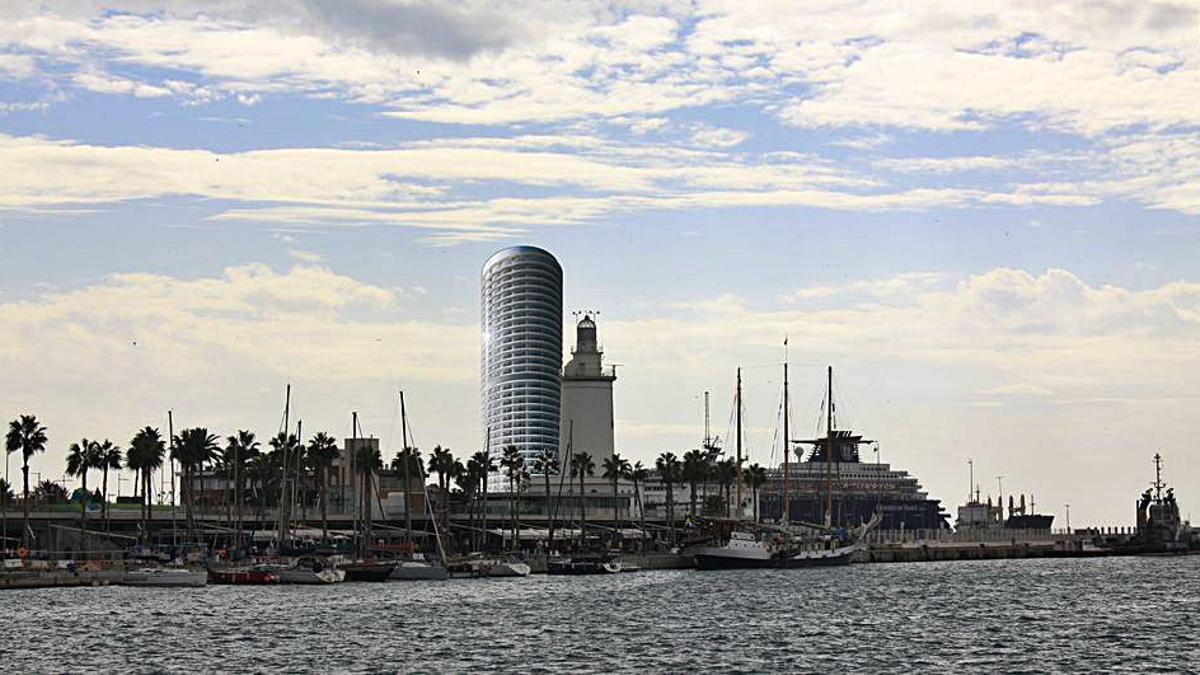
pixel 779 546
pixel 414 568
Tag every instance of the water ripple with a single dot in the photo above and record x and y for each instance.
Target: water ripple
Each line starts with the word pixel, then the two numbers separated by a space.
pixel 1013 616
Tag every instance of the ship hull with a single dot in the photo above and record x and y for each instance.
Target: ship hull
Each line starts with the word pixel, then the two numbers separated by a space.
pixel 715 559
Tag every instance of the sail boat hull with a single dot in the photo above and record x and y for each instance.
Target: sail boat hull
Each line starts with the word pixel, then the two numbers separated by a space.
pixel 719 558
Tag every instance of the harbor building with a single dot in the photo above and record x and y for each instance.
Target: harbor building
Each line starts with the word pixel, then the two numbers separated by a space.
pixel 522 350
pixel 587 397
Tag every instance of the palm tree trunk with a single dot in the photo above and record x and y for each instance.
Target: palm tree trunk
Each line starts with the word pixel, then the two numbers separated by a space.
pixel 83 512
pixel 25 502
pixel 549 510
pixel 324 504
pixel 104 497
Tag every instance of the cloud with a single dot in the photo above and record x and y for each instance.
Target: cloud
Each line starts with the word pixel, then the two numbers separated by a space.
pixel 707 136
pixel 860 65
pixel 1017 389
pixel 305 256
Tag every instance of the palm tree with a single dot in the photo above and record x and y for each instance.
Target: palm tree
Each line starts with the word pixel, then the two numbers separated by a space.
pixel 582 466
pixel 487 465
pixel 49 492
pixel 638 475
pixel 547 464
pixel 406 463
pixel 240 451
pixel 263 474
pixel 192 449
pixel 81 458
pixel 29 437
pixel 285 448
pixel 668 469
pixel 693 472
pixel 109 456
pixel 441 462
pixel 755 477
pixel 366 462
pixel 614 469
pixel 513 463
pixel 145 454
pixel 322 451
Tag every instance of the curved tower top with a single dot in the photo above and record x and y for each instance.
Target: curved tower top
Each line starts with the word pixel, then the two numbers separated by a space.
pixel 521 355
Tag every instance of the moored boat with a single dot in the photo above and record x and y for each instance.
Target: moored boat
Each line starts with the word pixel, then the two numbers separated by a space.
pixel 310 571
pixel 368 570
pixel 744 550
pixel 242 576
pixel 417 570
pixel 165 577
pixel 577 566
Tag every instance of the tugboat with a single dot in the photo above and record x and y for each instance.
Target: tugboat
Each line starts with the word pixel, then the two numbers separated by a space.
pixel 1160 530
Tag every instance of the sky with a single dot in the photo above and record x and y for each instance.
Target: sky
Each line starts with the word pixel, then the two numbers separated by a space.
pixel 986 218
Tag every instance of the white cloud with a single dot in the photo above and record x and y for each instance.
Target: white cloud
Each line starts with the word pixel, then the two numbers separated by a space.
pixel 707 136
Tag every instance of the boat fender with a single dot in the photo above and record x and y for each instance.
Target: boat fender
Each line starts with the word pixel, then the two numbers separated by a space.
pixel 22 553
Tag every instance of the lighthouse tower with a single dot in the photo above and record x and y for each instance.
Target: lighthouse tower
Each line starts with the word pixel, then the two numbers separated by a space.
pixel 587 398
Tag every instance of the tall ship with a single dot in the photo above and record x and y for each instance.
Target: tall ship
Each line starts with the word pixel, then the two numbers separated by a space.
pixel 818 543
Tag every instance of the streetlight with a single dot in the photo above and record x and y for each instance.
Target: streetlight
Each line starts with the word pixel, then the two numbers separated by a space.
pixel 1068 519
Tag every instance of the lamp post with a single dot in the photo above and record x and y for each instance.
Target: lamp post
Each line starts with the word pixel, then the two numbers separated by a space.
pixel 1068 518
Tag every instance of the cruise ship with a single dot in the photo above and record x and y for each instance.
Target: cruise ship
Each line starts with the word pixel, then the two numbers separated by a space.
pixel 860 488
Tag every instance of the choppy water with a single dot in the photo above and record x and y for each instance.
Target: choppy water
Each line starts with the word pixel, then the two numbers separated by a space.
pixel 1083 615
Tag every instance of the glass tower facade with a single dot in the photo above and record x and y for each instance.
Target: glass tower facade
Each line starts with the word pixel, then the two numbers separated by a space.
pixel 522 309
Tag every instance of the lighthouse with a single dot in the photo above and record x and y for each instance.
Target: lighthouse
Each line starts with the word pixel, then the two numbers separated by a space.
pixel 587 397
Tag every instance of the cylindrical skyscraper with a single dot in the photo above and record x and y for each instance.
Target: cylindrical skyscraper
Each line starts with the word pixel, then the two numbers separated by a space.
pixel 522 309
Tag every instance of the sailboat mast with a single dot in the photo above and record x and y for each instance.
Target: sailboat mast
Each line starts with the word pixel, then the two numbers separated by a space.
pixel 829 451
pixel 287 409
pixel 406 474
pixel 787 450
pixel 739 443
pixel 171 435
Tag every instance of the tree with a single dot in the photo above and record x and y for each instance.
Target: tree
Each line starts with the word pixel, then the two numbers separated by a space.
pixel 513 463
pixel 367 461
pixel 285 451
pixel 81 458
pixel 407 463
pixel 615 468
pixel 322 451
pixel 49 492
pixel 240 451
pixel 669 471
pixel 109 456
pixel 193 448
pixel 546 464
pixel 638 475
pixel 26 435
pixel 487 466
pixel 755 477
pixel 725 472
pixel 694 471
pixel 146 452
pixel 441 462
pixel 582 466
